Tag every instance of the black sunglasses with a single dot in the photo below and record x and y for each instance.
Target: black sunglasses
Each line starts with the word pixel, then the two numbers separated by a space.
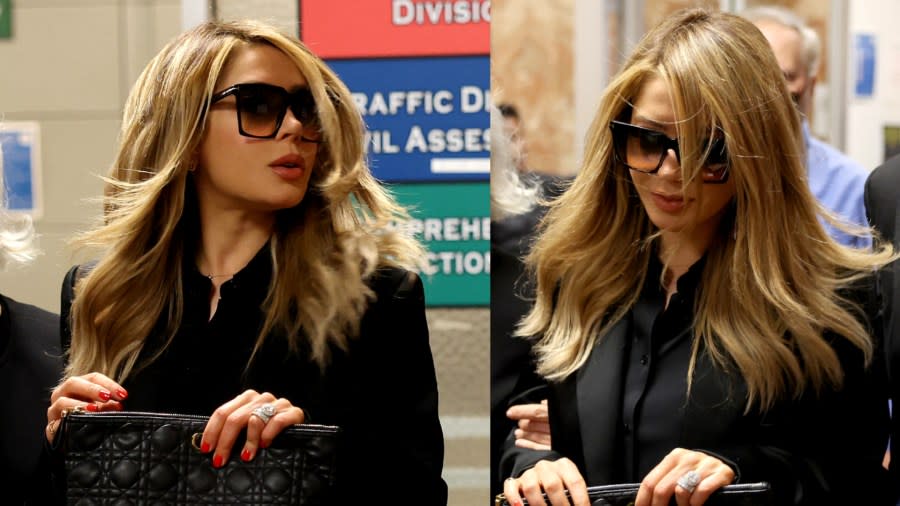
pixel 261 109
pixel 644 150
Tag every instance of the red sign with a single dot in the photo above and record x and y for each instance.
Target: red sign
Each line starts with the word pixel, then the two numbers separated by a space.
pixel 386 28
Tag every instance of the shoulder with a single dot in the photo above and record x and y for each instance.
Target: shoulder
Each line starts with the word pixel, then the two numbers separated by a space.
pixel 395 283
pixel 32 317
pixel 881 197
pixel 27 312
pixel 885 180
pixel 827 162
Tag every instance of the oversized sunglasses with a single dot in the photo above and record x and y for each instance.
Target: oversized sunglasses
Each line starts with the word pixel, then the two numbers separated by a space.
pixel 261 109
pixel 644 150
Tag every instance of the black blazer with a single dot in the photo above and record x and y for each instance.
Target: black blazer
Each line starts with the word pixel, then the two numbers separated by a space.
pixel 825 451
pixel 30 366
pixel 382 392
pixel 882 195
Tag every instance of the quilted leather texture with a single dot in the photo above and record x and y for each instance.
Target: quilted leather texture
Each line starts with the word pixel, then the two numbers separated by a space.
pixel 143 458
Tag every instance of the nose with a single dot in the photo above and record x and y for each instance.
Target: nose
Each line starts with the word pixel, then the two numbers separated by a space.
pixel 670 167
pixel 290 125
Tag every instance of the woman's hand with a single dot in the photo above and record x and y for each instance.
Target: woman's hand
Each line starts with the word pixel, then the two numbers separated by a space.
pixel 534 425
pixel 93 392
pixel 552 478
pixel 227 422
pixel 671 476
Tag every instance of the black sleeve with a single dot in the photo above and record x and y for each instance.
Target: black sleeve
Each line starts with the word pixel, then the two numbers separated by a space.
pixel 50 488
pixel 398 435
pixel 67 296
pixel 826 448
pixel 513 460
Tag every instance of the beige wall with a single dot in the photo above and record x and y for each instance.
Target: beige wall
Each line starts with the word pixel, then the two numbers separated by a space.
pixel 532 68
pixel 69 66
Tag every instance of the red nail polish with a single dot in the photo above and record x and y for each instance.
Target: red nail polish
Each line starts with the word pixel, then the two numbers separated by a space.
pixel 217 461
pixel 245 455
pixel 204 448
pixel 122 394
pixel 104 395
pixel 264 444
pixel 90 407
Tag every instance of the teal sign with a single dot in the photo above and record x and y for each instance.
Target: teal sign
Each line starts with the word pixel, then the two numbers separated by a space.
pixel 5 19
pixel 453 222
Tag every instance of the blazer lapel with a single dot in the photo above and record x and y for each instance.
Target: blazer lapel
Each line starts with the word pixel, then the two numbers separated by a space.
pixel 598 389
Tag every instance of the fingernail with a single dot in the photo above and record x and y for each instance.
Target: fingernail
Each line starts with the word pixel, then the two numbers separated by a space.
pixel 217 461
pixel 90 407
pixel 122 394
pixel 104 395
pixel 204 448
pixel 245 455
pixel 264 444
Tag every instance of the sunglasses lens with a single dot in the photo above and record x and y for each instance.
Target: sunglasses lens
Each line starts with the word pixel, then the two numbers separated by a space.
pixel 303 107
pixel 260 109
pixel 640 149
pixel 714 170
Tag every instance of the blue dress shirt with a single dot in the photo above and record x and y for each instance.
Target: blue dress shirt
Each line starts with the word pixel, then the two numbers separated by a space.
pixel 838 183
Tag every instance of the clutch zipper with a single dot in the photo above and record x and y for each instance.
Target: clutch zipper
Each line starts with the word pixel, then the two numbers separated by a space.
pixel 115 415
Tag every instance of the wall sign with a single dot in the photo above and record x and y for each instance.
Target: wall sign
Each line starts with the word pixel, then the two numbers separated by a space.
pixel 22 166
pixel 358 29
pixel 428 119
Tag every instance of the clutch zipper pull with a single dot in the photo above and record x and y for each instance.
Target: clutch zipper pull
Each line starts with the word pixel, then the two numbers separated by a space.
pixel 63 418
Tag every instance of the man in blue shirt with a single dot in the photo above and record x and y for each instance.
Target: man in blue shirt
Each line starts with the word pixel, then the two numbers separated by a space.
pixel 837 181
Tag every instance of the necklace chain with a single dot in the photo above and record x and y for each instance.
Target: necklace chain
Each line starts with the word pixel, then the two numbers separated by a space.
pixel 212 276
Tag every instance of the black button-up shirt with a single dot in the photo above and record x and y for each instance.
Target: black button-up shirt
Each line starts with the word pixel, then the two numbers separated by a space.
pixel 655 387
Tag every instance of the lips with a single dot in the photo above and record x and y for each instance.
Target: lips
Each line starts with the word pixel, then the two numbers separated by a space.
pixel 288 166
pixel 670 203
pixel 291 161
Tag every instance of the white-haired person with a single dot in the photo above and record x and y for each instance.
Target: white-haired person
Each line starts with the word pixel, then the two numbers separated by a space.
pixel 695 323
pixel 836 180
pixel 30 363
pixel 248 269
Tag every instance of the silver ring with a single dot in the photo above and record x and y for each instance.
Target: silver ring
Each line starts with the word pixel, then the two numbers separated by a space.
pixel 264 412
pixel 689 481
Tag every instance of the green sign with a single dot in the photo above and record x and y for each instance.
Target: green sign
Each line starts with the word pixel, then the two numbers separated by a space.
pixel 453 221
pixel 5 19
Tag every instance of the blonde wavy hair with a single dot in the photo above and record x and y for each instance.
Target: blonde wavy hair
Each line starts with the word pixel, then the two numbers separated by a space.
pixel 773 279
pixel 323 250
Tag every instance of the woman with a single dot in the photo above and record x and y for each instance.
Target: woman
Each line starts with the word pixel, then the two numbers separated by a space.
pixel 700 328
pixel 248 270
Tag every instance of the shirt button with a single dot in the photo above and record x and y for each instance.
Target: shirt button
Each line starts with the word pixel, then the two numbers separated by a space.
pixel 644 359
pixel 626 427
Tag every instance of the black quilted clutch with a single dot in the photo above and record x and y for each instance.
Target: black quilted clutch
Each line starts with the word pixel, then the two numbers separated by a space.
pixel 131 458
pixel 745 494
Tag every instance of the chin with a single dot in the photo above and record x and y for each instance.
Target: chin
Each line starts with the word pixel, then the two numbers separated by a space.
pixel 668 223
pixel 279 202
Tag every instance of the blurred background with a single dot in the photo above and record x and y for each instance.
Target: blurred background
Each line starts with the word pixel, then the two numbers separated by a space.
pixel 551 60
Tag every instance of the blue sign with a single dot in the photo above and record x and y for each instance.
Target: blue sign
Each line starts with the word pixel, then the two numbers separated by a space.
pixel 18 141
pixel 865 65
pixel 427 119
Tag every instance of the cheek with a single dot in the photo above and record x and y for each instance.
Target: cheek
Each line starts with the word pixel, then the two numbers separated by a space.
pixel 717 199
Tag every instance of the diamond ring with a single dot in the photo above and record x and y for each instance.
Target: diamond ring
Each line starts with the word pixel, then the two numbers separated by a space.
pixel 689 481
pixel 264 412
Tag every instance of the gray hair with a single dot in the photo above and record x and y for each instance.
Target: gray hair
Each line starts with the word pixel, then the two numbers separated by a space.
pixel 16 232
pixel 812 46
pixel 510 195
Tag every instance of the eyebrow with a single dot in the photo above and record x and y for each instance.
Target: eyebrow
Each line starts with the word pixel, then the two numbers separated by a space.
pixel 650 122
